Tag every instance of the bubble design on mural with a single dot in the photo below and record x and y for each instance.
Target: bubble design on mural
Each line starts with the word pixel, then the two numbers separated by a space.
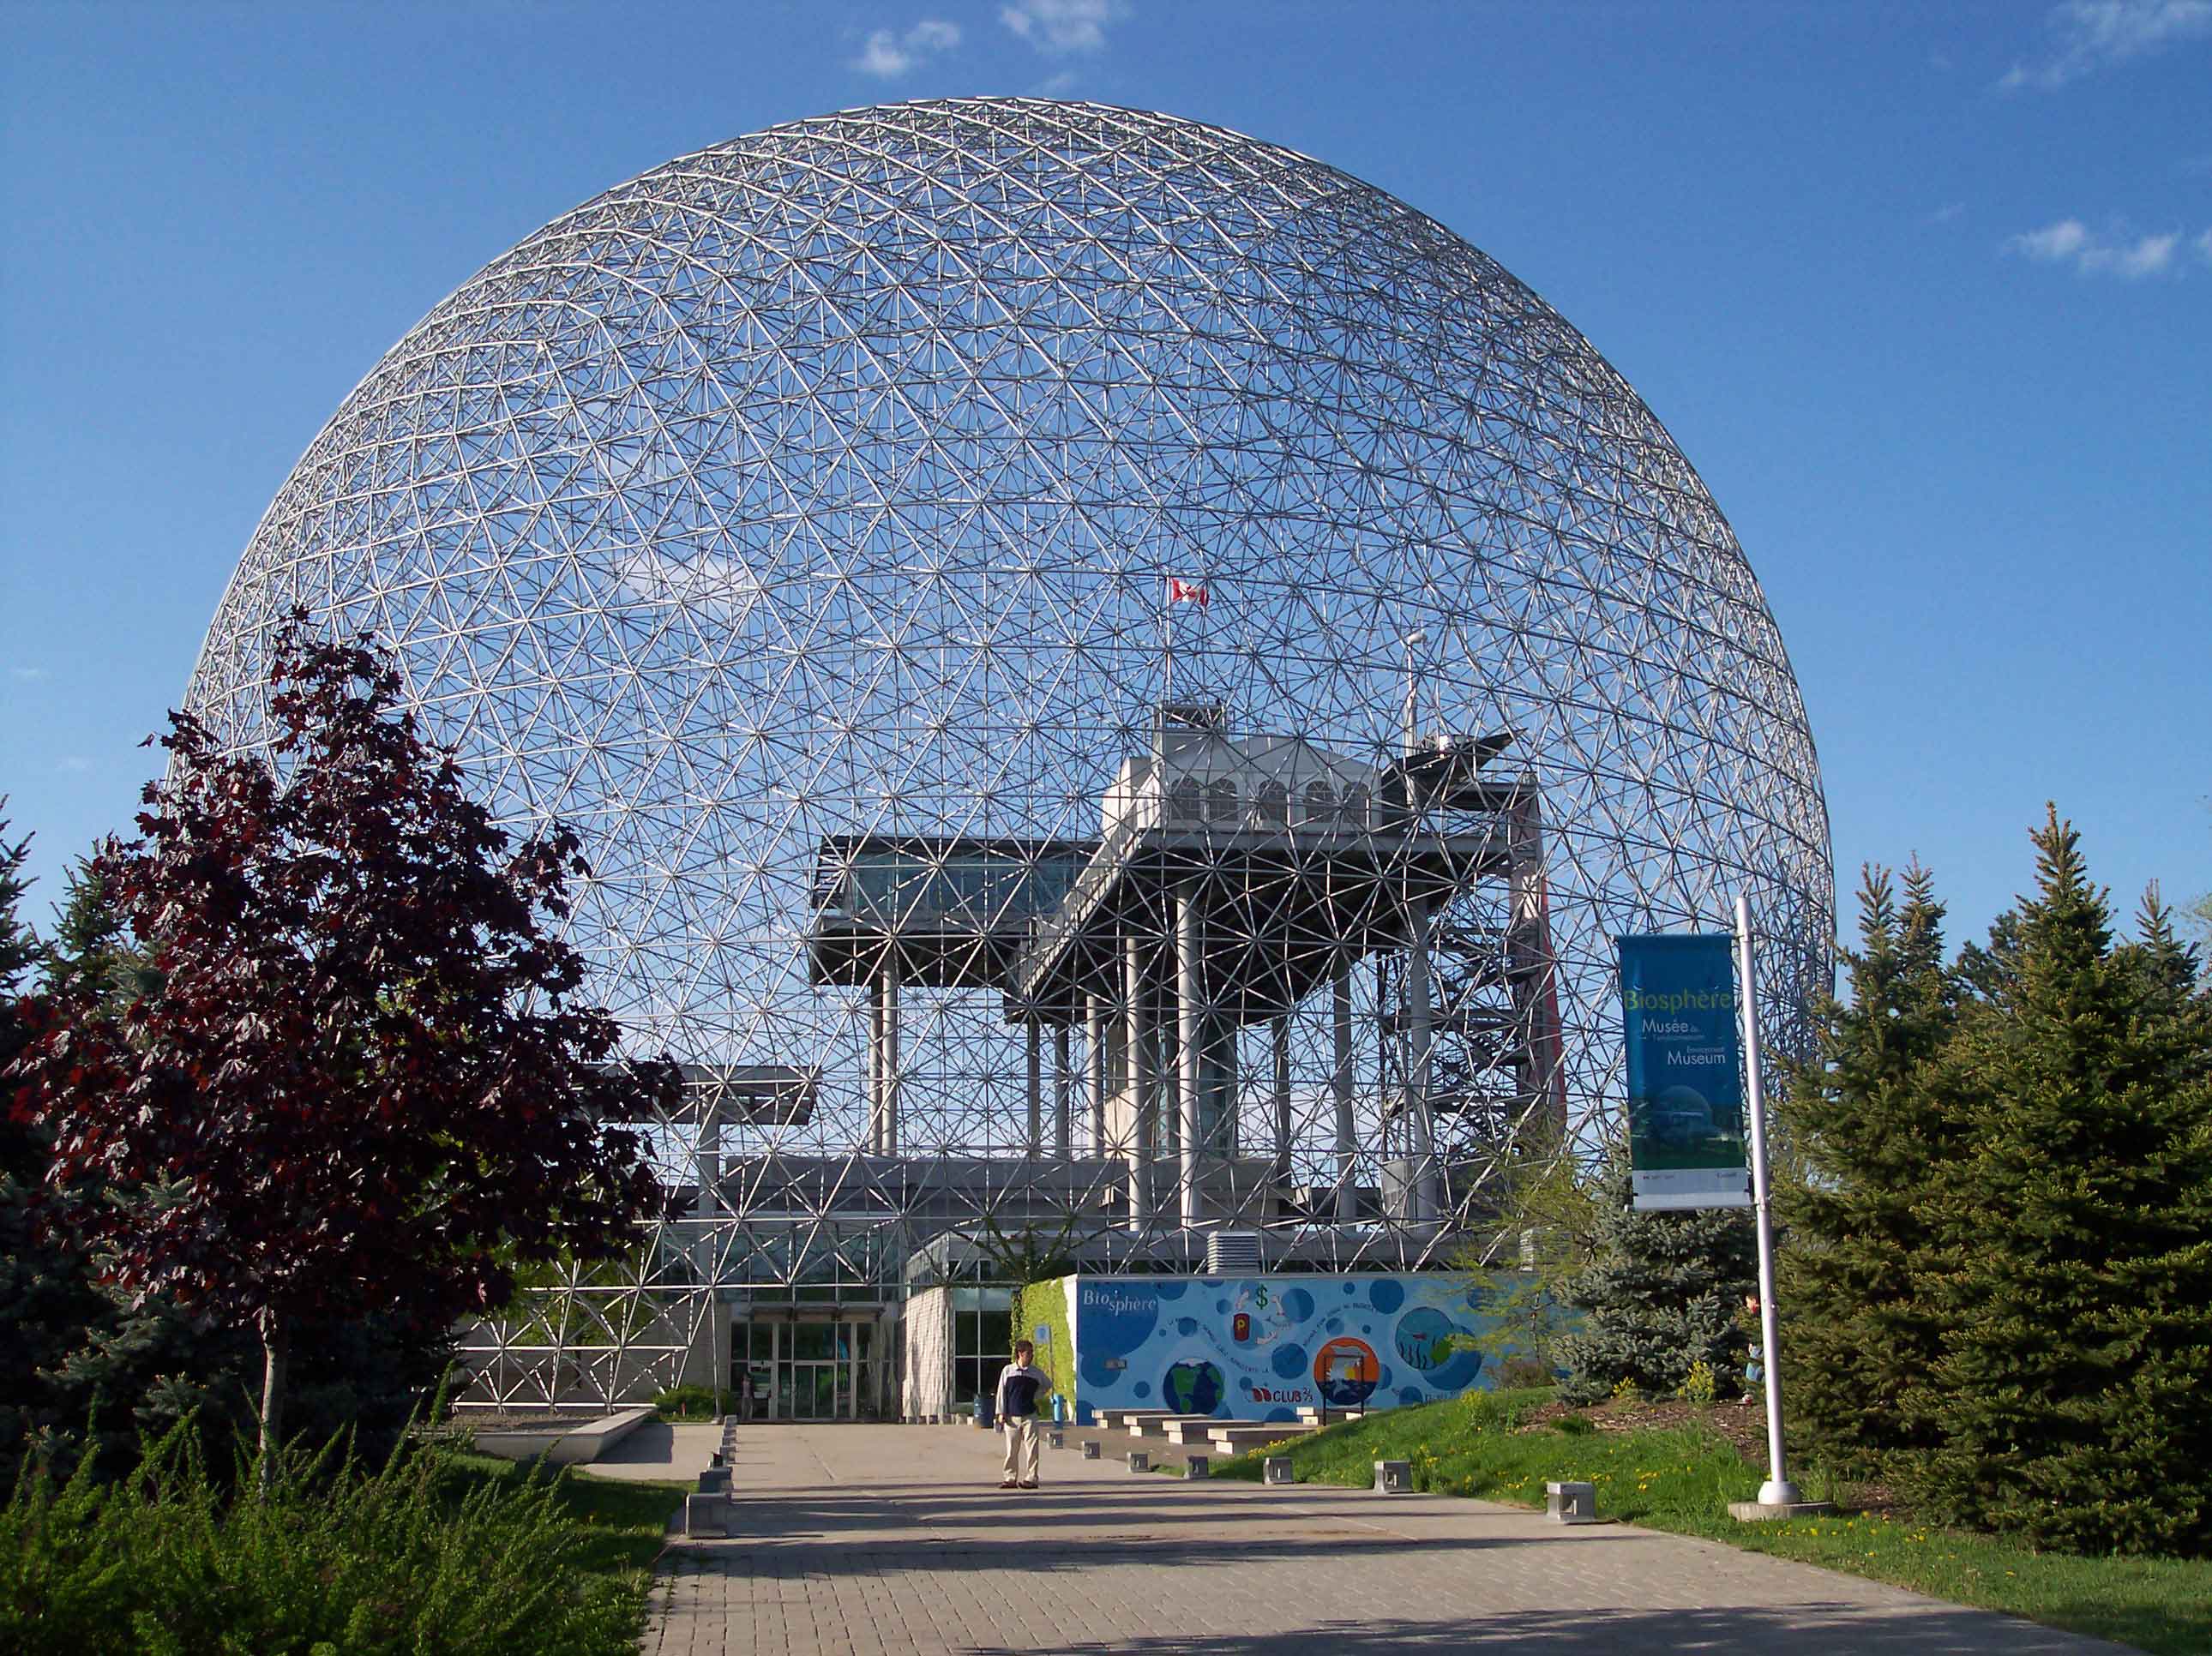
pixel 1423 1345
pixel 1346 1373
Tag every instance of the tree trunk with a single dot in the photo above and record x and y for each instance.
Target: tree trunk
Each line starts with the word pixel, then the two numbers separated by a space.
pixel 276 1353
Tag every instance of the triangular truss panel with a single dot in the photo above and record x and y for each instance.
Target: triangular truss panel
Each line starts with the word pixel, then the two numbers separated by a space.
pixel 798 521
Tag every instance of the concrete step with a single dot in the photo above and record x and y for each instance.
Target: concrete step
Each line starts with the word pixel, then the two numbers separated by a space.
pixel 1236 1438
pixel 1127 1420
pixel 1166 1425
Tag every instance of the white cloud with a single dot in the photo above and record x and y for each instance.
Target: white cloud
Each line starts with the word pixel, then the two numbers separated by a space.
pixel 2069 241
pixel 706 583
pixel 1064 26
pixel 26 675
pixel 2061 241
pixel 2147 256
pixel 2094 34
pixel 2203 246
pixel 886 54
pixel 76 764
pixel 1946 212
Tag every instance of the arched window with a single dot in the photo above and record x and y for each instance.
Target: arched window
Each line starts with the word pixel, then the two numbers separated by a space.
pixel 1320 801
pixel 1187 800
pixel 1221 800
pixel 1271 805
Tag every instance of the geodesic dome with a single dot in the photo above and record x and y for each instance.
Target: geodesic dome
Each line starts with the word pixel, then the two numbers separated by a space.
pixel 802 513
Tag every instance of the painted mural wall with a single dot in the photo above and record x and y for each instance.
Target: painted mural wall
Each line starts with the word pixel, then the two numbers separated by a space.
pixel 1258 1347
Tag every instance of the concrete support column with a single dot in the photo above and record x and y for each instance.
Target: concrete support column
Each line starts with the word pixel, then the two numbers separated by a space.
pixel 1035 1033
pixel 1282 1031
pixel 1137 1041
pixel 1094 1054
pixel 1420 1134
pixel 875 1066
pixel 1062 1081
pixel 1347 1163
pixel 889 1145
pixel 1189 1042
pixel 706 1158
pixel 851 1333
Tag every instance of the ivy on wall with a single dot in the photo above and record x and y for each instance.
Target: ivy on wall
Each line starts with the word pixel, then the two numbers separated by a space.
pixel 1043 1305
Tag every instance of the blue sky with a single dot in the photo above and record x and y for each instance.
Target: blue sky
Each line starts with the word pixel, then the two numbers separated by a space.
pixel 1925 293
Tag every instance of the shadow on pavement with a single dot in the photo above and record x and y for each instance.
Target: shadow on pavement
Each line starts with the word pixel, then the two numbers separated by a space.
pixel 1804 1630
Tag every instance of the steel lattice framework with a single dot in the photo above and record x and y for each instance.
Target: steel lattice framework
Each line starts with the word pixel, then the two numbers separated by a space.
pixel 797 520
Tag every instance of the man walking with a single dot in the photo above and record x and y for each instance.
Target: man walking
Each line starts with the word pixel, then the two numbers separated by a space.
pixel 1020 1384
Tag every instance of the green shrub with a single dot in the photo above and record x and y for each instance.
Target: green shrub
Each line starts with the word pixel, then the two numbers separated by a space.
pixel 691 1403
pixel 422 1556
pixel 1701 1385
pixel 1518 1372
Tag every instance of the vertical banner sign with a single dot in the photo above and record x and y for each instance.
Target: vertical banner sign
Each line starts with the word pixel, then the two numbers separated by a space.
pixel 1687 1137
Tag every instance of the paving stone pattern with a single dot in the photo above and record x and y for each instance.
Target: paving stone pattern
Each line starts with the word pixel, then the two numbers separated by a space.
pixel 896 1538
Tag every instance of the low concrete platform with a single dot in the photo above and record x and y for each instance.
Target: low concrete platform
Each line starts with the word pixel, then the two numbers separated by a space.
pixel 566 1446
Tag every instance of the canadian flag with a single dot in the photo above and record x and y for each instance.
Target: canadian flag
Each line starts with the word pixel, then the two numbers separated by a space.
pixel 1183 591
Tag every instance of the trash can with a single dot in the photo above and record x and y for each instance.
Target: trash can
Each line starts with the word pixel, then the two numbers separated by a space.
pixel 1059 1410
pixel 984 1408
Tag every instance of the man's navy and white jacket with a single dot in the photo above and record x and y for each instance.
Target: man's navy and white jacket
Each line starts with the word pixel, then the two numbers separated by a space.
pixel 1019 1387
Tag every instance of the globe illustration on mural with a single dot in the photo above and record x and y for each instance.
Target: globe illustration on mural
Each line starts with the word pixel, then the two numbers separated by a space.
pixel 1192 1388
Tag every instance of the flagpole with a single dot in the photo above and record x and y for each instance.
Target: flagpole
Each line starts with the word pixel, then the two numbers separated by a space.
pixel 1167 644
pixel 1777 1490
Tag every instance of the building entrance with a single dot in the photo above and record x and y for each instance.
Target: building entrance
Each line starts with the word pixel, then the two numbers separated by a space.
pixel 815 1366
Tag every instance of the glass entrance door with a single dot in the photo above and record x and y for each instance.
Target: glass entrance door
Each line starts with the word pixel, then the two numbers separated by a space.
pixel 812 1370
pixel 818 1391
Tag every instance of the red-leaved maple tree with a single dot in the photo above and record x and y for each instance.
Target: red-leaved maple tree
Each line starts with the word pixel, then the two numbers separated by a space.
pixel 363 1079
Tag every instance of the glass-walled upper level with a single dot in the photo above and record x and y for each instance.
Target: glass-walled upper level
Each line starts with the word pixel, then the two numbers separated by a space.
pixel 919 885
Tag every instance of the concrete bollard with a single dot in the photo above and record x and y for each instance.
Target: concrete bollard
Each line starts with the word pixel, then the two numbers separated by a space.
pixel 1091 1449
pixel 1276 1468
pixel 1056 1440
pixel 706 1515
pixel 1197 1467
pixel 1570 1503
pixel 1394 1477
pixel 1140 1460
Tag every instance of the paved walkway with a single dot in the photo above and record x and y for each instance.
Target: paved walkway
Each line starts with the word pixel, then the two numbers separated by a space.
pixel 896 1538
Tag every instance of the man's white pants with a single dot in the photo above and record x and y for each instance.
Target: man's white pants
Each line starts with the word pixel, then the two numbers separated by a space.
pixel 1021 1446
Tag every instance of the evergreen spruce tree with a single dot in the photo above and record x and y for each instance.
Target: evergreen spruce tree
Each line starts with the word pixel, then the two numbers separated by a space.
pixel 1869 1128
pixel 45 1294
pixel 1662 1293
pixel 92 943
pixel 2072 1404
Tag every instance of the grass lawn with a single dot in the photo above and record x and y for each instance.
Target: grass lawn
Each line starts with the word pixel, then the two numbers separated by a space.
pixel 625 1522
pixel 1682 1480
